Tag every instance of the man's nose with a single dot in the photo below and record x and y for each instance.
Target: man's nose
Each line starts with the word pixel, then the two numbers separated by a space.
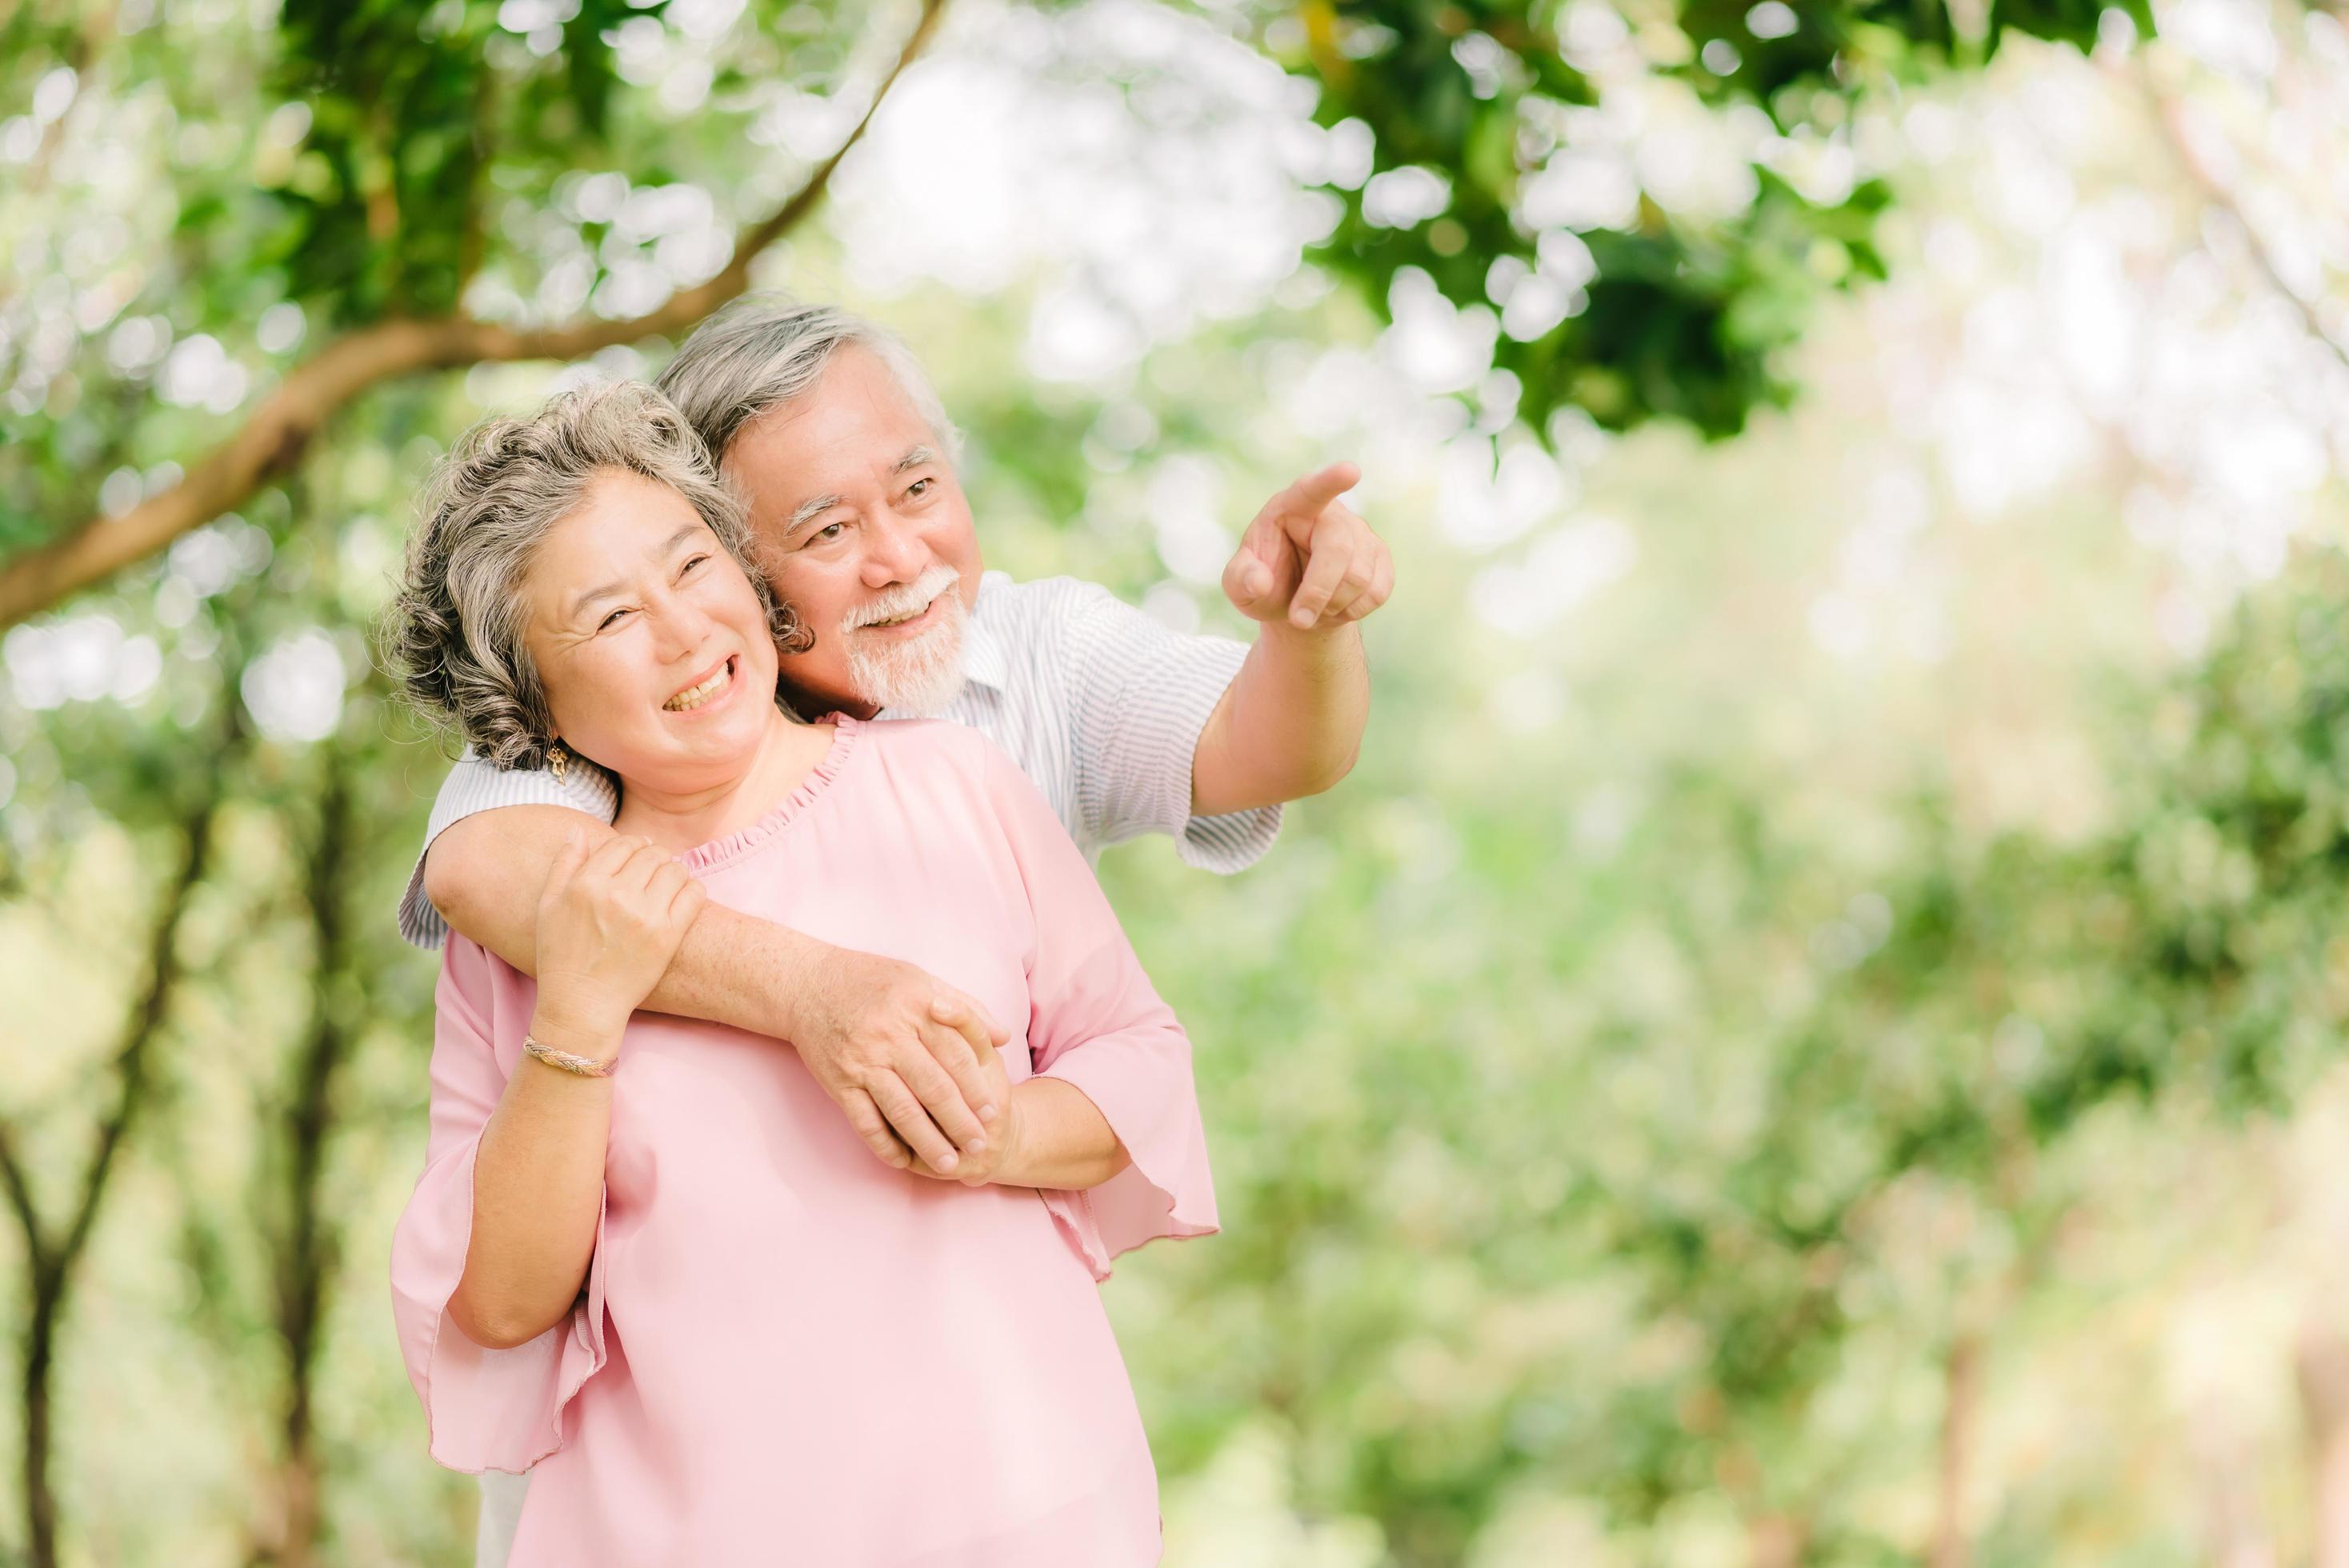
pixel 899 553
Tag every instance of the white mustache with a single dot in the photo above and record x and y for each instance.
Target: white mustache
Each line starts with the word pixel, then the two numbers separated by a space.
pixel 908 599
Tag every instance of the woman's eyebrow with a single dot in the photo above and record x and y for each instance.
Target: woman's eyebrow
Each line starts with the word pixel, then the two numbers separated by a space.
pixel 607 590
pixel 614 590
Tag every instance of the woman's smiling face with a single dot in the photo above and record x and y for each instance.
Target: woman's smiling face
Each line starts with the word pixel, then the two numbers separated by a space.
pixel 655 652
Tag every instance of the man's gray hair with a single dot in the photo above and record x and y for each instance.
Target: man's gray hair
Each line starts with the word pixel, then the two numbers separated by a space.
pixel 762 351
pixel 454 633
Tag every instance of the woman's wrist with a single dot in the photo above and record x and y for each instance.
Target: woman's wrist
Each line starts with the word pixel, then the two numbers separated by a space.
pixel 1056 1139
pixel 1012 1133
pixel 585 1031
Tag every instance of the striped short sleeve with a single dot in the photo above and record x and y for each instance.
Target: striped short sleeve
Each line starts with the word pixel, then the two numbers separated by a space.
pixel 1139 696
pixel 473 786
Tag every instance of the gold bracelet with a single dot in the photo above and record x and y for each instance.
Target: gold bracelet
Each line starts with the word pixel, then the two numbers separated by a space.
pixel 567 1061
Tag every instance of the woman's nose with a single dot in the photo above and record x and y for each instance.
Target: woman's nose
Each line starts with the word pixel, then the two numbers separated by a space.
pixel 679 627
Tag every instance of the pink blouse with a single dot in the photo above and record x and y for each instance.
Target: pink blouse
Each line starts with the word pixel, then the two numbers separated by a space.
pixel 786 1350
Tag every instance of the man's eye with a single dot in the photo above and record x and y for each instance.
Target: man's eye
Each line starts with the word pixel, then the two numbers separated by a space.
pixel 826 534
pixel 920 486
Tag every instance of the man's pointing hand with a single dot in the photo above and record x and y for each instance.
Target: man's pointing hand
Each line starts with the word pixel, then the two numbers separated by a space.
pixel 1308 559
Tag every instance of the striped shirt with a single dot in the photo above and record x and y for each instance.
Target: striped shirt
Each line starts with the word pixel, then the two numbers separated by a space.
pixel 1099 705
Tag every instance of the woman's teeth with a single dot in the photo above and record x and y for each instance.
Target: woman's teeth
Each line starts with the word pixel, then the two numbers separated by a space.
pixel 694 697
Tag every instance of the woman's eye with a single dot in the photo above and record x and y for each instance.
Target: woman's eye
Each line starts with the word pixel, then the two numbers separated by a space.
pixel 691 565
pixel 608 621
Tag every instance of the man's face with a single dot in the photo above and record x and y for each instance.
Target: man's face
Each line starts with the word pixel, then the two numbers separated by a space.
pixel 864 530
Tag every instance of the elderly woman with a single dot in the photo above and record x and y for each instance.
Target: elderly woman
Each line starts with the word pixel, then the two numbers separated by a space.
pixel 646 1256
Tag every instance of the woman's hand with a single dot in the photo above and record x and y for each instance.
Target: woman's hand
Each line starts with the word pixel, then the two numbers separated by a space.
pixel 998 1145
pixel 609 921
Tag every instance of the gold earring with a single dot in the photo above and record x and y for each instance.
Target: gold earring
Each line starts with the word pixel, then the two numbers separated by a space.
pixel 555 759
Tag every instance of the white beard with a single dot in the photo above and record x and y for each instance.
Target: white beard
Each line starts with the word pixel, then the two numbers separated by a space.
pixel 916 677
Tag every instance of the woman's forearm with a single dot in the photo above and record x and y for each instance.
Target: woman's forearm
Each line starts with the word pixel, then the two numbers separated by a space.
pixel 1064 1141
pixel 538 1192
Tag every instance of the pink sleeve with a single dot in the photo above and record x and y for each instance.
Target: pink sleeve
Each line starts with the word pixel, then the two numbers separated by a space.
pixel 1095 1021
pixel 484 1409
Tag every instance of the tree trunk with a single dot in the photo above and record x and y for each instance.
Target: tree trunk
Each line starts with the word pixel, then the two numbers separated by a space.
pixel 2323 1365
pixel 40 1497
pixel 2239 1538
pixel 1776 1541
pixel 51 1255
pixel 1962 1379
pixel 307 1248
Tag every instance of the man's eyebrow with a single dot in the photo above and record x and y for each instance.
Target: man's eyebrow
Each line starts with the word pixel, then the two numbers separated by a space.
pixel 815 506
pixel 614 590
pixel 808 511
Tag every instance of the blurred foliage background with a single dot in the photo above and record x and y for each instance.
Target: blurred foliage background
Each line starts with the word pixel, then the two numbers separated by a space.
pixel 1811 1035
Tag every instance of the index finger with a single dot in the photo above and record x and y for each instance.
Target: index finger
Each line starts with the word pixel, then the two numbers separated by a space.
pixel 648 862
pixel 1316 490
pixel 609 856
pixel 962 1014
pixel 568 859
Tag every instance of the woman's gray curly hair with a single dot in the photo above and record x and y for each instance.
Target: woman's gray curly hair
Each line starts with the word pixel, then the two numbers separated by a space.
pixel 454 632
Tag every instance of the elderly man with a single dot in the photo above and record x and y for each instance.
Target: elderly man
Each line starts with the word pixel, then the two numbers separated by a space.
pixel 832 433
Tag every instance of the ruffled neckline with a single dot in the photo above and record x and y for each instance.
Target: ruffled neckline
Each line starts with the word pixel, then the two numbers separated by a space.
pixel 703 859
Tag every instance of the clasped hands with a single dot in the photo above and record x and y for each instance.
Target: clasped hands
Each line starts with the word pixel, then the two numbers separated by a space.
pixel 894 1049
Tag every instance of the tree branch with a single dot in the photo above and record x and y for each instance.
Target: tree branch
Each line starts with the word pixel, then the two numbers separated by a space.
pixel 2171 114
pixel 83 47
pixel 20 1202
pixel 272 439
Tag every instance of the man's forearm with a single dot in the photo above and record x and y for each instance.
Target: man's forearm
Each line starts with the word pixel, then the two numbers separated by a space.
pixel 735 968
pixel 484 874
pixel 1290 724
